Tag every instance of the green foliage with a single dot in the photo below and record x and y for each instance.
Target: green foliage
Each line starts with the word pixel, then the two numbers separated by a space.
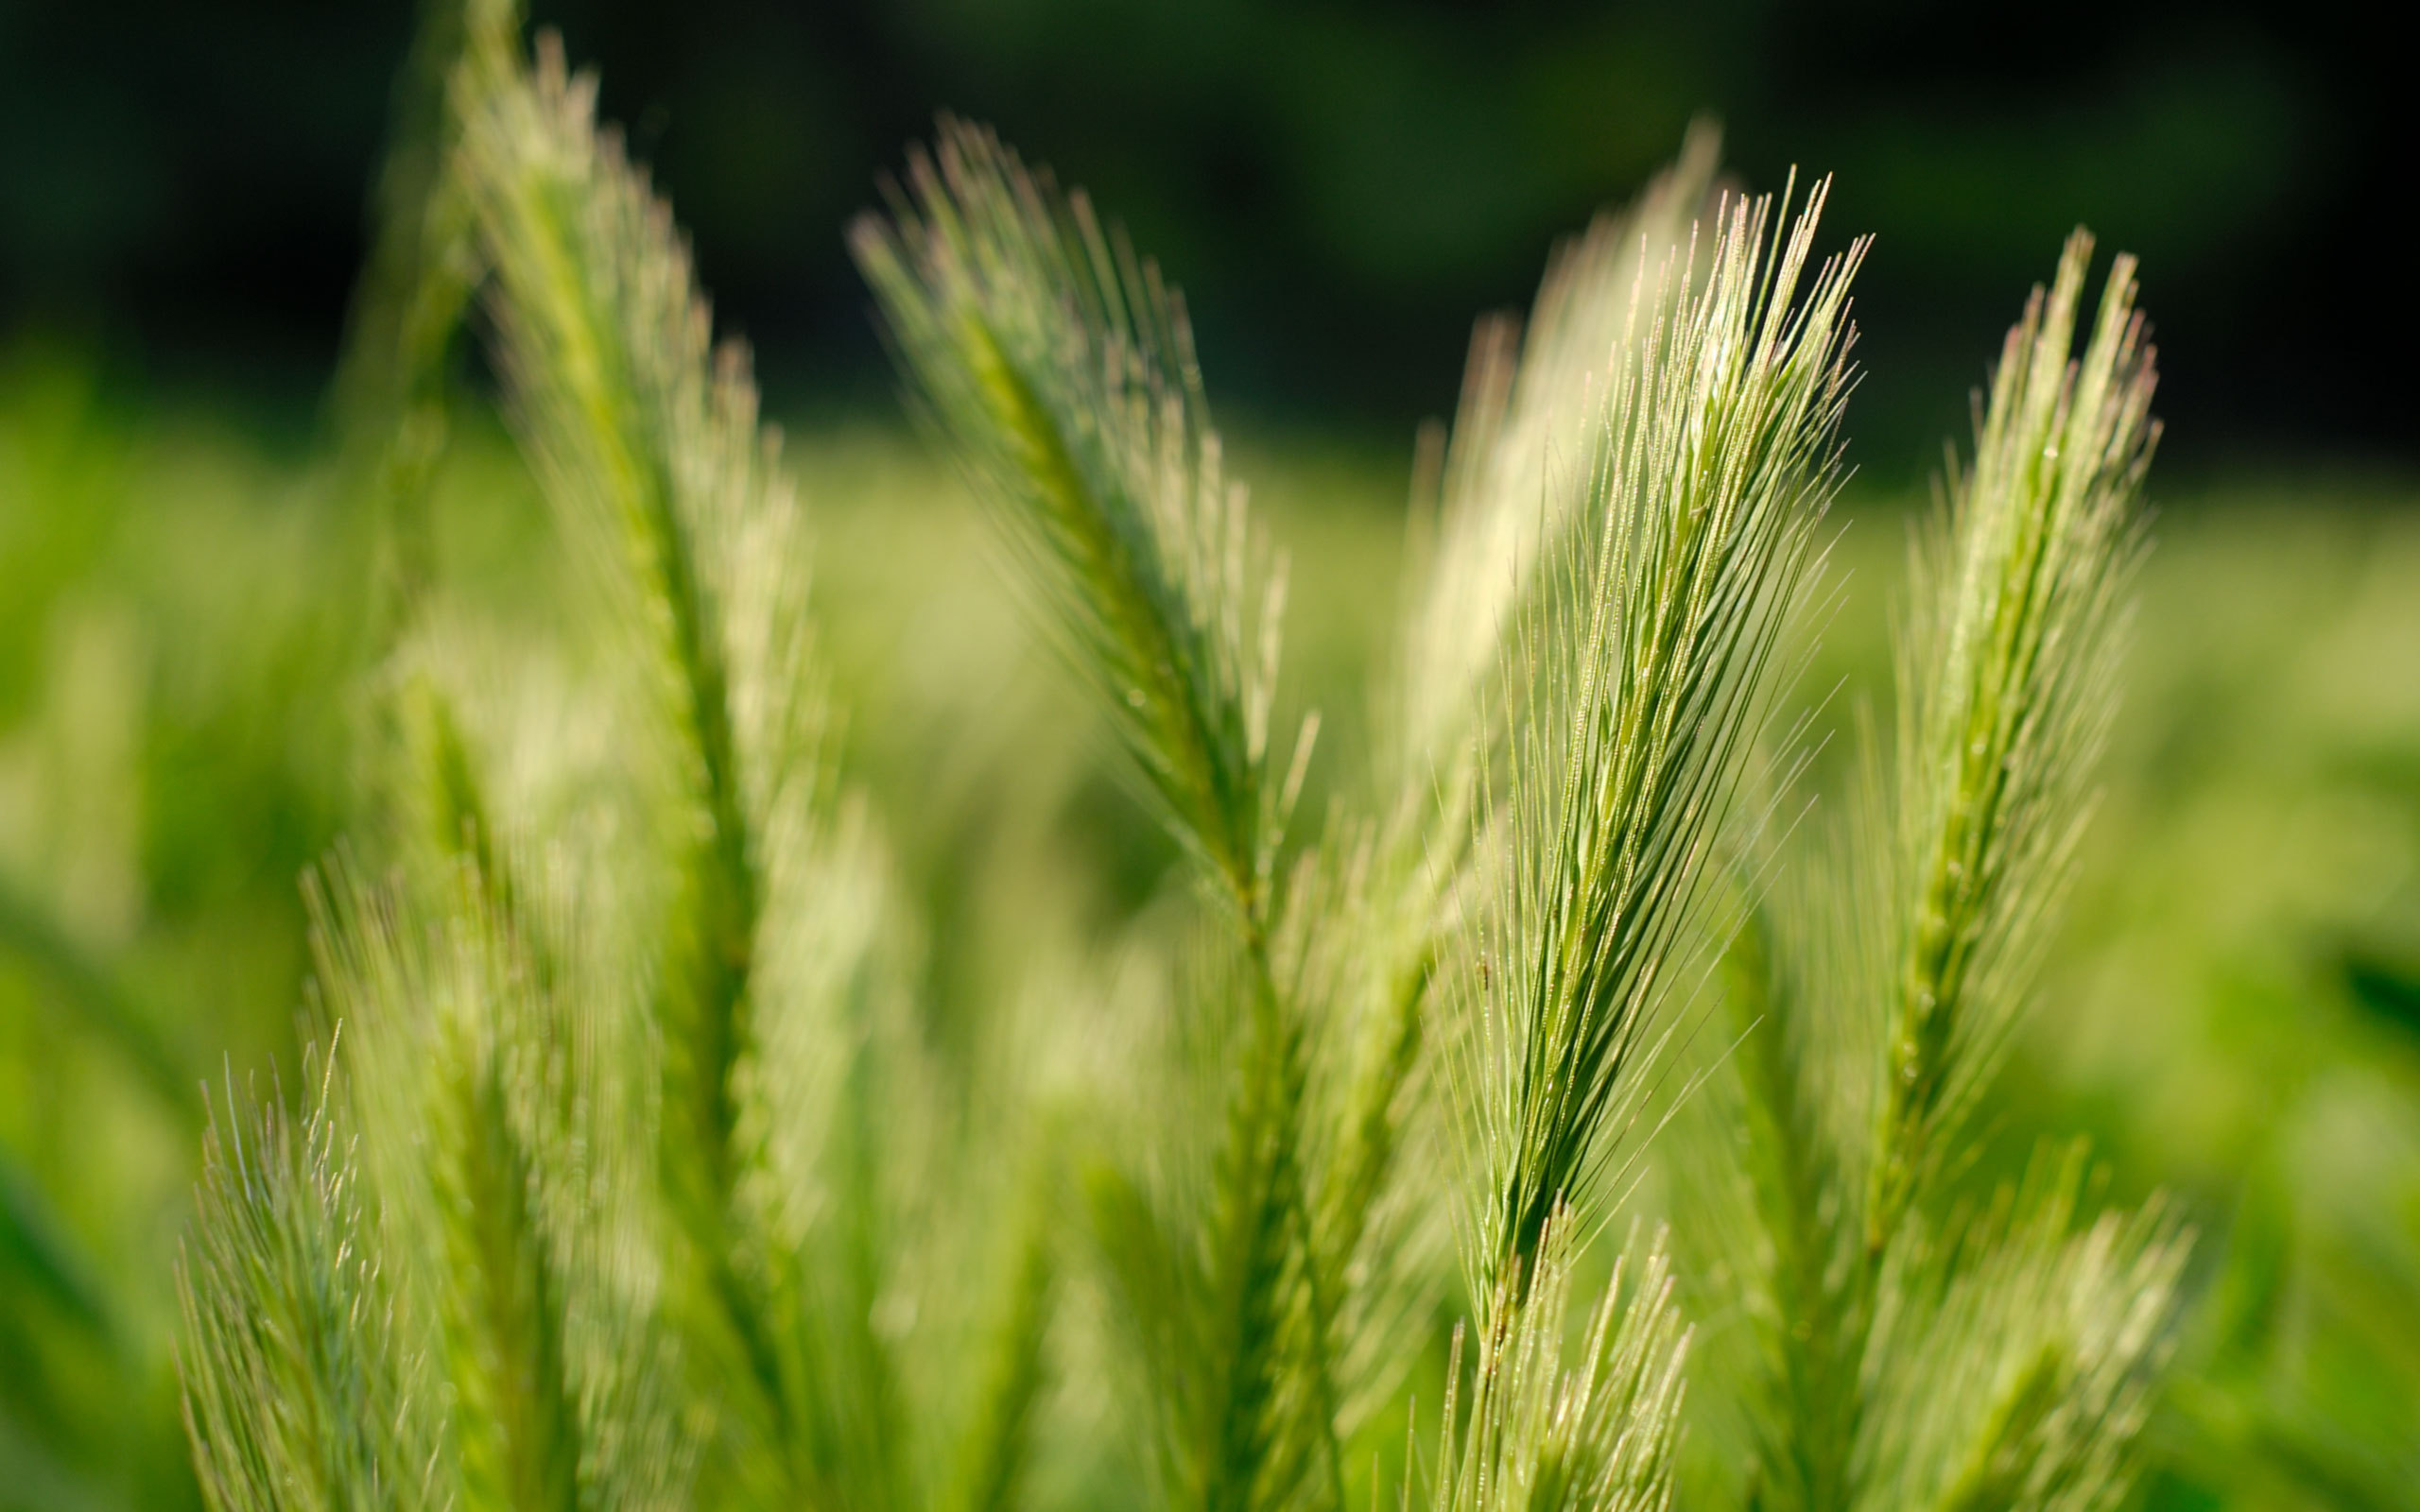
pixel 716 1107
pixel 1636 635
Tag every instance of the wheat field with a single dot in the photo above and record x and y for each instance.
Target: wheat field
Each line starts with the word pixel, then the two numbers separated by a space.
pixel 565 945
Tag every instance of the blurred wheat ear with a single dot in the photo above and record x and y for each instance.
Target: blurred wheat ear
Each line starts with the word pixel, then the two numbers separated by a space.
pixel 1514 476
pixel 424 268
pixel 775 1155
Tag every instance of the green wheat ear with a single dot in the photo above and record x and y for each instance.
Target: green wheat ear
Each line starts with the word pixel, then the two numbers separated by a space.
pixel 649 439
pixel 1595 1436
pixel 1388 895
pixel 1637 680
pixel 300 1389
pixel 1062 368
pixel 2008 684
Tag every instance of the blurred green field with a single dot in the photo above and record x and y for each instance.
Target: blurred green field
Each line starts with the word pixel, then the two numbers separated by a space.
pixel 189 623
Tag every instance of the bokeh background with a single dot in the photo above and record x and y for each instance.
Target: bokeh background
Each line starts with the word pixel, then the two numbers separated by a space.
pixel 1341 183
pixel 185 663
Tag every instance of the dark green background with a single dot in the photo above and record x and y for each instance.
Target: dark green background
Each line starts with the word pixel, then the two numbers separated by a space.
pixel 1341 185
